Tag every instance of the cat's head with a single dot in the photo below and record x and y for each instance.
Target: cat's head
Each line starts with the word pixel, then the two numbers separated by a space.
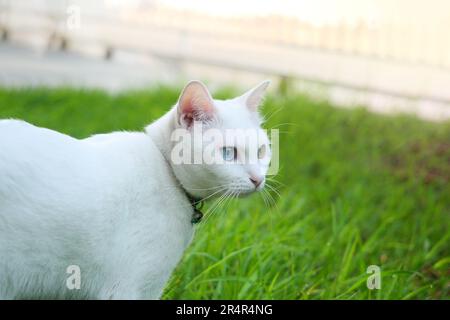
pixel 228 151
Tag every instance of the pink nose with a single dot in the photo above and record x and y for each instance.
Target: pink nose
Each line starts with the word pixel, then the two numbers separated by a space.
pixel 256 181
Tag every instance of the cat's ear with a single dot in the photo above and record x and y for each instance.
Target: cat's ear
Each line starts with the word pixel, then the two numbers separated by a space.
pixel 254 97
pixel 195 104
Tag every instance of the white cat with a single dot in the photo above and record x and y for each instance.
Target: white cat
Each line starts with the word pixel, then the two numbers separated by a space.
pixel 113 205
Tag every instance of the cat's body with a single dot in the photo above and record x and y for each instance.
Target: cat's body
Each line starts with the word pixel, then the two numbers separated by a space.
pixel 112 205
pixel 90 203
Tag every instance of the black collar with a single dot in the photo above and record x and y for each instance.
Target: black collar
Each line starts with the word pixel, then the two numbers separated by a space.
pixel 197 205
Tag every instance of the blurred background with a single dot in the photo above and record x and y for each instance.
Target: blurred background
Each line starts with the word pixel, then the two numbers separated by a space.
pixel 390 56
pixel 356 188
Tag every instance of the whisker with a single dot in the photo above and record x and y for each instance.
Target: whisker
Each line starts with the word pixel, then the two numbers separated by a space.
pixel 273 113
pixel 285 124
pixel 213 206
pixel 273 189
pixel 263 196
pixel 199 189
pixel 275 181
pixel 202 199
pixel 227 197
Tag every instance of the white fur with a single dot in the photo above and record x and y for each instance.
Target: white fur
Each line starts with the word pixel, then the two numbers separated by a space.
pixel 111 204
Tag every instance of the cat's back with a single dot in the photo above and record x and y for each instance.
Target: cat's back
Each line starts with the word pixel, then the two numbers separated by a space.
pixel 29 153
pixel 47 165
pixel 44 174
pixel 20 130
pixel 20 139
pixel 40 172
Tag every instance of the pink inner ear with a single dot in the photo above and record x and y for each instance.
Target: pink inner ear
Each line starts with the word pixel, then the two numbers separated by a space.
pixel 195 104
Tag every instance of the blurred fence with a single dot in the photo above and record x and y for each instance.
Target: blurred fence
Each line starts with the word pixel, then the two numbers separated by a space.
pixel 403 59
pixel 413 41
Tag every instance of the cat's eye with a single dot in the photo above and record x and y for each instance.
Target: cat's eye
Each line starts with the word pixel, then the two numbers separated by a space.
pixel 262 151
pixel 229 153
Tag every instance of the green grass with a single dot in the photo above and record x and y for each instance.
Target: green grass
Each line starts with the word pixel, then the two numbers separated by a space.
pixel 358 190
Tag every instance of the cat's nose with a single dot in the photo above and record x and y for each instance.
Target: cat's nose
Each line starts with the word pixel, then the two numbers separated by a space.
pixel 256 180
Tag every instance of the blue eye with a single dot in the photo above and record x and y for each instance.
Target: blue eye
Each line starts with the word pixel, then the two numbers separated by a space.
pixel 229 153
